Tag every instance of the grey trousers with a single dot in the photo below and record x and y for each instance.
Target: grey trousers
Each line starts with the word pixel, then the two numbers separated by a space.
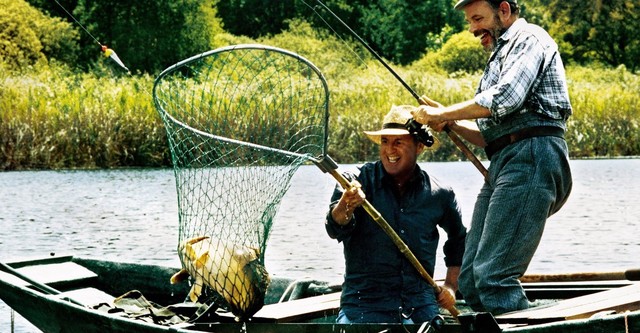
pixel 528 181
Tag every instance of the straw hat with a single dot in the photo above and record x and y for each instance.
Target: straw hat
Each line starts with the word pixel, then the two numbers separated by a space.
pixel 393 123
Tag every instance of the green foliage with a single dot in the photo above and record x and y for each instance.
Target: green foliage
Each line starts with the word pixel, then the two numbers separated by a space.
pixel 336 57
pixel 604 31
pixel 256 18
pixel 396 29
pixel 462 52
pixel 148 35
pixel 29 36
pixel 53 117
pixel 435 41
pixel 61 119
pixel 399 28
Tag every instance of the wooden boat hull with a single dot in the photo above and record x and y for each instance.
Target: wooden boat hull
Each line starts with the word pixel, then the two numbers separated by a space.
pixel 87 281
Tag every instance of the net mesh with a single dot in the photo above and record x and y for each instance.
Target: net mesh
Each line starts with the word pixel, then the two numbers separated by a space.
pixel 240 120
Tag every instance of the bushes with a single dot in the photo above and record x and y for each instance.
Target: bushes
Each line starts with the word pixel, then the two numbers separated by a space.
pixel 27 36
pixel 462 53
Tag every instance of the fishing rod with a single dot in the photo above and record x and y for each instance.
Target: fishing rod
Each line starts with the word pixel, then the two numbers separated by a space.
pixel 328 165
pixel 108 53
pixel 452 135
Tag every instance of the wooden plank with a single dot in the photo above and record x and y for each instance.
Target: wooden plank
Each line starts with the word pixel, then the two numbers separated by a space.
pixel 630 274
pixel 54 259
pixel 65 273
pixel 619 300
pixel 565 290
pixel 87 296
pixel 297 310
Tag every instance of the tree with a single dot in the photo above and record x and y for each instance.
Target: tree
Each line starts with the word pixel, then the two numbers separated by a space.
pixel 257 18
pixel 148 35
pixel 399 28
pixel 29 36
pixel 604 31
pixel 395 29
pixel 462 52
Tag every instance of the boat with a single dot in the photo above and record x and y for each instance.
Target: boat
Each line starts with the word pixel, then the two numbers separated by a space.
pixel 76 294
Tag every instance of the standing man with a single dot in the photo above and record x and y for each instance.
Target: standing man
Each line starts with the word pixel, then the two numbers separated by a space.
pixel 520 109
pixel 381 285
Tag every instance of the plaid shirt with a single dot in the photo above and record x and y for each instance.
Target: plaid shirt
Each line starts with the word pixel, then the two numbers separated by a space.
pixel 524 83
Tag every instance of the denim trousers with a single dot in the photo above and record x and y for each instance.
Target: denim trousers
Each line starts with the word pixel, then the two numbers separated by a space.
pixel 528 181
pixel 422 314
pixel 372 318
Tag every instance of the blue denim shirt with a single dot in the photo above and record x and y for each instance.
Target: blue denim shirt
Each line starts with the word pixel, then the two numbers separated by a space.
pixel 378 277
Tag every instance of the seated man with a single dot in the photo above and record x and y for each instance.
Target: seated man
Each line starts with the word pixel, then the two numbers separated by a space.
pixel 381 285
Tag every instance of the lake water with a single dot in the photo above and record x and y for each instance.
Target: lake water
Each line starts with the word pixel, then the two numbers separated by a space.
pixel 131 215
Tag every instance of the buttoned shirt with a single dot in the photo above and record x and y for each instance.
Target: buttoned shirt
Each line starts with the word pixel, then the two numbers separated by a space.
pixel 524 83
pixel 378 277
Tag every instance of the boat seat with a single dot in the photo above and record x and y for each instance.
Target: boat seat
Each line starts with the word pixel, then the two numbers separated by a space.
pixel 618 299
pixel 62 275
pixel 87 296
pixel 299 309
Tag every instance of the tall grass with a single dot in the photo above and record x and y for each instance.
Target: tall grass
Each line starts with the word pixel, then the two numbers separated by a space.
pixel 52 117
pixel 606 120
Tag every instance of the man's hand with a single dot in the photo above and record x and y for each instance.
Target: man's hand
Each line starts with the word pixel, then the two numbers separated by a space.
pixel 352 198
pixel 429 113
pixel 446 298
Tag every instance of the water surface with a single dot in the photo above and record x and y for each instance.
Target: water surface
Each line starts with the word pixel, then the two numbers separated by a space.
pixel 131 215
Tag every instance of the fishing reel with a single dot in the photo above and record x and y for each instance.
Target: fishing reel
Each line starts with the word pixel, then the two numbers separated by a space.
pixel 420 132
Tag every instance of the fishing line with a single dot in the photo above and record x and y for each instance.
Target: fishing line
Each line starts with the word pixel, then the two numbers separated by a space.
pixel 344 41
pixel 422 133
pixel 362 41
pixel 452 135
pixel 109 53
pixel 80 24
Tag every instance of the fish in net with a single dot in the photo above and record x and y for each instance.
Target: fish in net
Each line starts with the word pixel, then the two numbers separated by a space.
pixel 239 120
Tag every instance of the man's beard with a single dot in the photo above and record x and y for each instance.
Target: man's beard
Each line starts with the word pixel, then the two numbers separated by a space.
pixel 494 33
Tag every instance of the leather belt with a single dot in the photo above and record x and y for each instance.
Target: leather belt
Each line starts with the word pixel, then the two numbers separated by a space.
pixel 525 133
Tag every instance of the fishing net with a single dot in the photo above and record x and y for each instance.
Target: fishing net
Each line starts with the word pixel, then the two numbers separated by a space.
pixel 240 120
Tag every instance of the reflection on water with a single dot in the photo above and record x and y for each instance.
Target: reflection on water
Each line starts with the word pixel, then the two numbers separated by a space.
pixel 131 215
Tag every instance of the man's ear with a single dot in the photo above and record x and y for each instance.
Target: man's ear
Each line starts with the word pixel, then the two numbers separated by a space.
pixel 504 10
pixel 420 148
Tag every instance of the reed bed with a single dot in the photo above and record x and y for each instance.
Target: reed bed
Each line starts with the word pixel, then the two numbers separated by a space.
pixel 53 118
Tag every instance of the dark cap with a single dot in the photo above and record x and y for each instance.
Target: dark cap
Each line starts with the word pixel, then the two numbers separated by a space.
pixel 463 3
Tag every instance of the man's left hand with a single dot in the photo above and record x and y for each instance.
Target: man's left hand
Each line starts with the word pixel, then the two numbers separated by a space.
pixel 446 298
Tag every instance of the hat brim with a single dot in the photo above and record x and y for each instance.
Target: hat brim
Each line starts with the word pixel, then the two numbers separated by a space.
pixel 462 3
pixel 375 135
